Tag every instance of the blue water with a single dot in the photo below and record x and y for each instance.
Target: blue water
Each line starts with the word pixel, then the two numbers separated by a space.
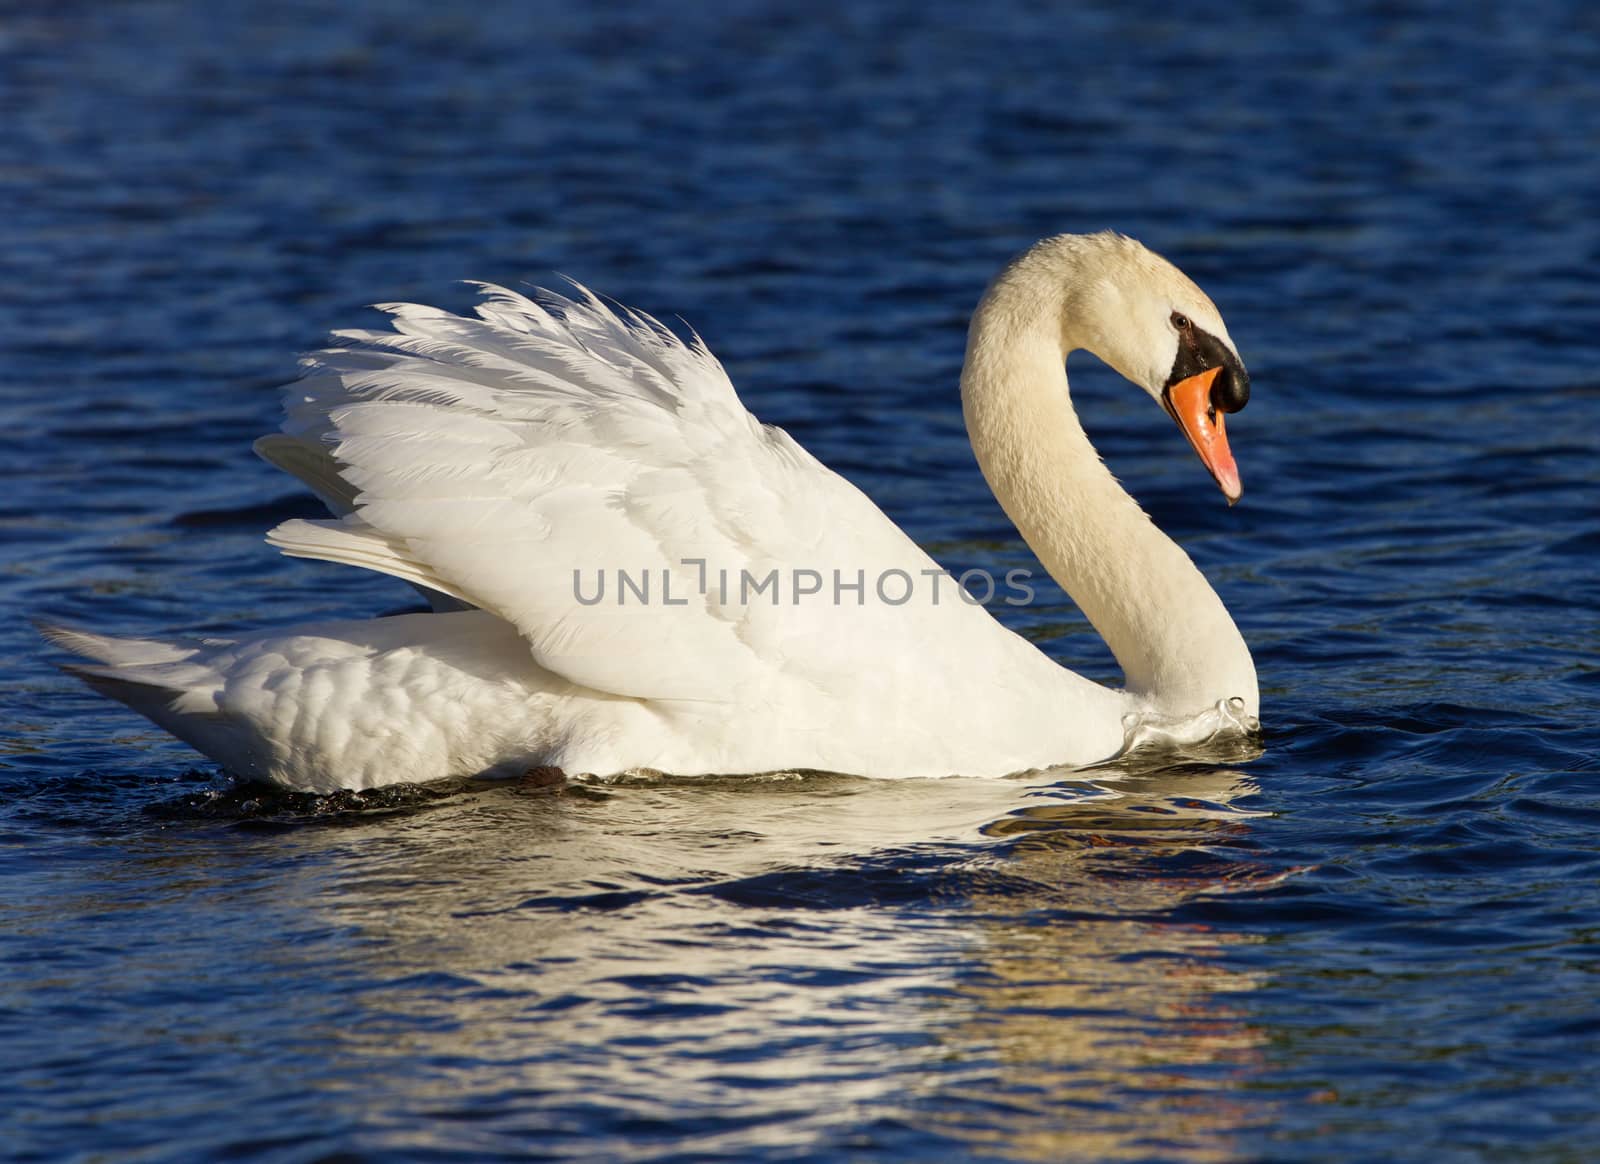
pixel 1380 940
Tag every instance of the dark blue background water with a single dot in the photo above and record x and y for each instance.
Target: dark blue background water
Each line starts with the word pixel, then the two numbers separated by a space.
pixel 1379 940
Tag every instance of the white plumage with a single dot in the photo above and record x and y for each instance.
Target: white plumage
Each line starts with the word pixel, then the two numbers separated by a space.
pixel 507 463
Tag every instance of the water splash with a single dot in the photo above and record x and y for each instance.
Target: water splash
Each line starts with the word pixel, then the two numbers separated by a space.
pixel 1224 733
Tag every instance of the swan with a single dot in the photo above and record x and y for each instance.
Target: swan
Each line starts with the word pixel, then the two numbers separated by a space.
pixel 628 571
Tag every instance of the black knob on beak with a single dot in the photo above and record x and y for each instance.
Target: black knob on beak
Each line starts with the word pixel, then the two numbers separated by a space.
pixel 1199 351
pixel 1231 391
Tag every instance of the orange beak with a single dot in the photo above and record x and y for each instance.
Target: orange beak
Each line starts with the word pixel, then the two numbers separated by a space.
pixel 1189 403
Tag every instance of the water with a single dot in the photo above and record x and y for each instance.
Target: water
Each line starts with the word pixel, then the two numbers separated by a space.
pixel 1377 940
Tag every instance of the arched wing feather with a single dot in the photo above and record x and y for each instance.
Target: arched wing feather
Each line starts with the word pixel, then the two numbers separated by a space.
pixel 593 479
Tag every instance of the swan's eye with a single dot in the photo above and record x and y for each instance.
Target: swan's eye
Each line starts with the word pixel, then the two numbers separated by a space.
pixel 1180 321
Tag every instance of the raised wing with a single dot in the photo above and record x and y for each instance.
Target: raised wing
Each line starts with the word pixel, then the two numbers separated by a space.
pixel 594 480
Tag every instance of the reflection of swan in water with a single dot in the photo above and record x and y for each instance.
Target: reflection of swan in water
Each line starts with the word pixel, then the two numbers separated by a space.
pixel 1109 1024
pixel 750 966
pixel 1111 1038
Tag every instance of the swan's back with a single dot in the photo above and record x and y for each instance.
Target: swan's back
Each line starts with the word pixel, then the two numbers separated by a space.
pixel 522 459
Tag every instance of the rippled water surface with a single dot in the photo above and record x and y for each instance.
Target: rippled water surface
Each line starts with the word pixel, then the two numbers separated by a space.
pixel 1378 940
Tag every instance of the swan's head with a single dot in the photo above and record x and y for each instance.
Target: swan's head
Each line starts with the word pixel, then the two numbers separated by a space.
pixel 1149 321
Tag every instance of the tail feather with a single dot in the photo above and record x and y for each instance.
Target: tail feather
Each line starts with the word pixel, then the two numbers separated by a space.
pixel 146 694
pixel 115 651
pixel 171 683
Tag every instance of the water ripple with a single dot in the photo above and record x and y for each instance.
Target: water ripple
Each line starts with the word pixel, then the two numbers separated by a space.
pixel 1369 935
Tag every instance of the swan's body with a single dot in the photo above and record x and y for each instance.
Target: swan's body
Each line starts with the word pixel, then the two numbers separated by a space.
pixel 508 464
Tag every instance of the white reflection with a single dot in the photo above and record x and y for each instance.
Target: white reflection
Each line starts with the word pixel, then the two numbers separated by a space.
pixel 1113 1031
pixel 765 962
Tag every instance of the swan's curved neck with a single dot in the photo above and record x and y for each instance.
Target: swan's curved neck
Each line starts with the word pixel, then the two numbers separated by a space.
pixel 1176 644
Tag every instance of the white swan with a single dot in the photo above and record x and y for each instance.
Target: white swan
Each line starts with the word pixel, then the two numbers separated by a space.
pixel 511 464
